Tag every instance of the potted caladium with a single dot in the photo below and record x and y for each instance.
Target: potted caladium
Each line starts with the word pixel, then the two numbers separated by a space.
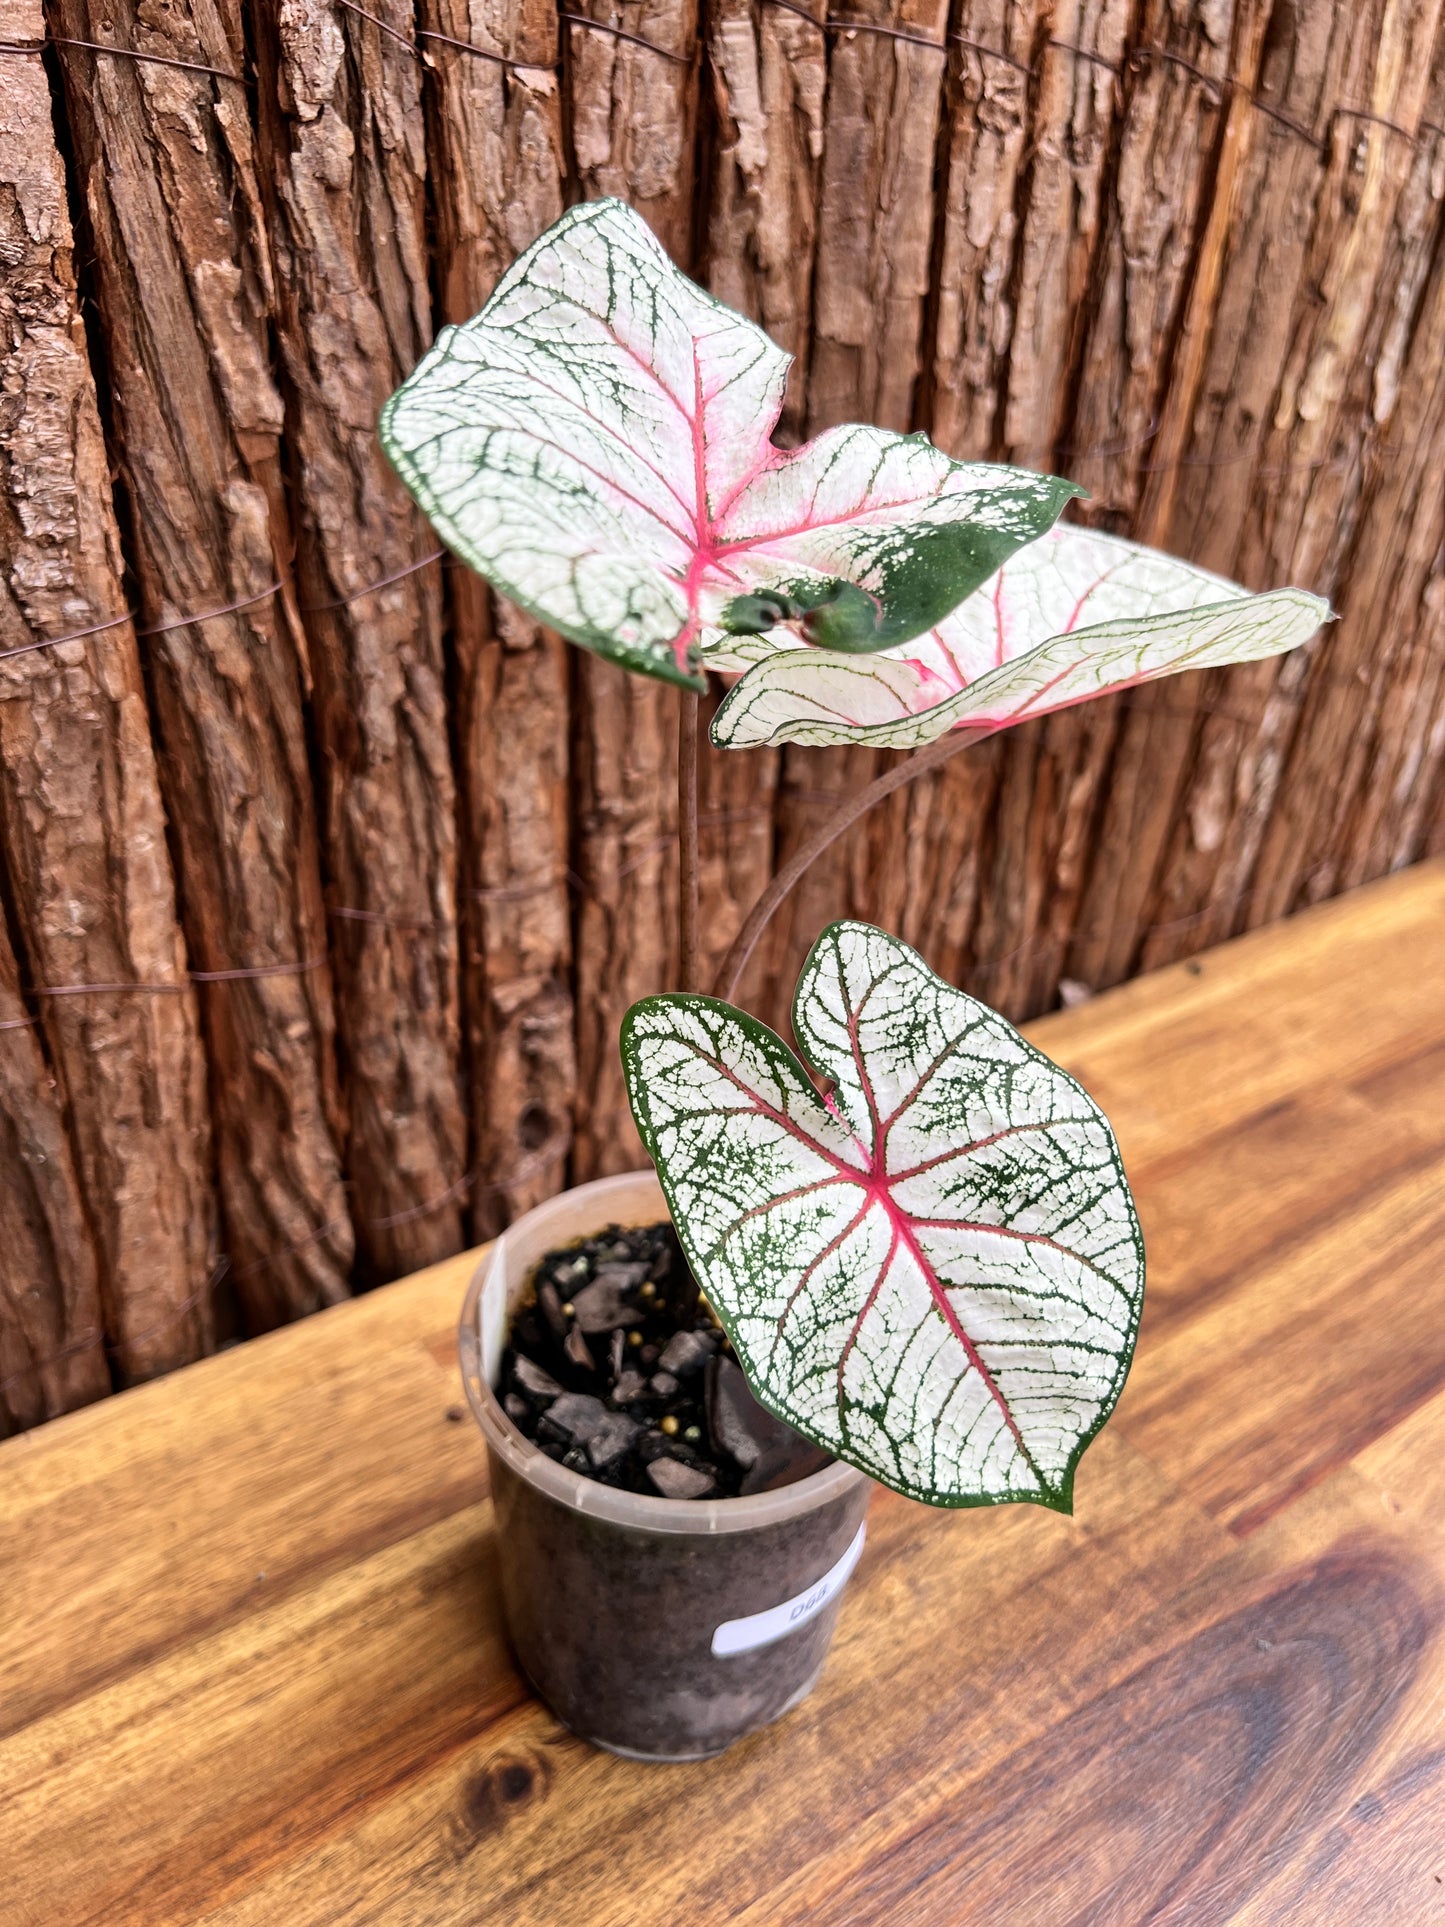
pixel 907 1252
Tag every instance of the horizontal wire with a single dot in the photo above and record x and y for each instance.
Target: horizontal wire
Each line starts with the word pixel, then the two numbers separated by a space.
pixel 122 53
pixel 485 53
pixel 169 987
pixel 1133 59
pixel 385 582
pixel 348 914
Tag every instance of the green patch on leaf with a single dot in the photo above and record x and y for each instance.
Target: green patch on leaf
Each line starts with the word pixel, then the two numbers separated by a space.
pixel 596 442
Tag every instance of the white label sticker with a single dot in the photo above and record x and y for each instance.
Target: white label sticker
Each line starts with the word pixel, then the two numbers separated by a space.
pixel 760 1629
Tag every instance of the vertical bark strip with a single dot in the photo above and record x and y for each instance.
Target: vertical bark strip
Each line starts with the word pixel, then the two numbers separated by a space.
pixel 1077 94
pixel 735 836
pixel 633 115
pixel 1174 98
pixel 52 1341
pixel 80 811
pixel 984 152
pixel 497 175
pixel 165 163
pixel 769 73
pixel 1301 482
pixel 343 138
pixel 875 218
pixel 870 282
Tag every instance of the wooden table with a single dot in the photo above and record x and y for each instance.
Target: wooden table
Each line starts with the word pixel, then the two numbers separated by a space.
pixel 251 1669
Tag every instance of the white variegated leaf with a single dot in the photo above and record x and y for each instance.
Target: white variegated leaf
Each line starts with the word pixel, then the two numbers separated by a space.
pixel 596 442
pixel 1070 617
pixel 936 1272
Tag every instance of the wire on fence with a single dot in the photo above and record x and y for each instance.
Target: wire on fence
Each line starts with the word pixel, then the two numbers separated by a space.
pixel 225 609
pixel 1133 59
pixel 121 53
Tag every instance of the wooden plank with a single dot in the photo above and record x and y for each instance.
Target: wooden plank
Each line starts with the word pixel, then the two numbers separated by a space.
pixel 627 1833
pixel 1216 1739
pixel 1297 1364
pixel 1261 1176
pixel 1356 986
pixel 298 1756
pixel 1134 1713
pixel 353 1454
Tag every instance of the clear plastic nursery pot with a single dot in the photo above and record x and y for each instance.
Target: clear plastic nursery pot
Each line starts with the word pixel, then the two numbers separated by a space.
pixel 663 1629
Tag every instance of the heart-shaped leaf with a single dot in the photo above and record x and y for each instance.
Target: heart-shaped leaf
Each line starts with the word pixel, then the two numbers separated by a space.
pixel 596 443
pixel 937 1271
pixel 1075 614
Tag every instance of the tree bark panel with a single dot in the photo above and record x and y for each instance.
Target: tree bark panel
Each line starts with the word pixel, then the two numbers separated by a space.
pixel 497 175
pixel 633 123
pixel 80 810
pixel 183 264
pixel 344 158
pixel 1304 496
pixel 769 81
pixel 983 157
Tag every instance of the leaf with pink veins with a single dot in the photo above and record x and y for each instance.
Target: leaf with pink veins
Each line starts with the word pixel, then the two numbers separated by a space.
pixel 596 442
pixel 1072 616
pixel 936 1272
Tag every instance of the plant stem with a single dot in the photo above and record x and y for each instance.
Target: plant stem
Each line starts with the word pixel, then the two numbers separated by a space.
pixel 687 838
pixel 843 818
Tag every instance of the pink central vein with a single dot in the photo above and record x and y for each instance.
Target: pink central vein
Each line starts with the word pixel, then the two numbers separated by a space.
pixel 875 1183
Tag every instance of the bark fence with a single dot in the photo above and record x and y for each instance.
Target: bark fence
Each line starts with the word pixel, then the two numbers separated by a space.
pixel 325 878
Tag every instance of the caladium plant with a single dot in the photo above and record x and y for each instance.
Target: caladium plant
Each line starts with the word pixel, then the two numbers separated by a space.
pixel 936 1270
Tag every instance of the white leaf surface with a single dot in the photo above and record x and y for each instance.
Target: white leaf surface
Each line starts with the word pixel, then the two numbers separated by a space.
pixel 1071 616
pixel 937 1272
pixel 596 442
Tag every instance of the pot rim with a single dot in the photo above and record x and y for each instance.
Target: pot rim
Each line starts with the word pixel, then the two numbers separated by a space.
pixel 636 1510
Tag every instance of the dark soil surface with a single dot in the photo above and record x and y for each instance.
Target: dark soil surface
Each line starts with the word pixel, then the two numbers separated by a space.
pixel 617 1368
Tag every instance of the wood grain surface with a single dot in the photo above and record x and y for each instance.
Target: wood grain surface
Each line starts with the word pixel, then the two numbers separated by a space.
pixel 253 1670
